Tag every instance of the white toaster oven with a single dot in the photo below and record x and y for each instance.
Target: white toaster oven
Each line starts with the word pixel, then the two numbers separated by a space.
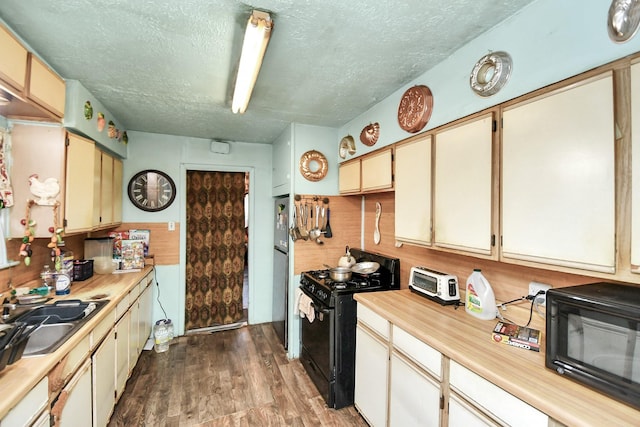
pixel 437 286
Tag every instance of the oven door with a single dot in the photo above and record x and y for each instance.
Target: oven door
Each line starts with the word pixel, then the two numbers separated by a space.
pixel 317 353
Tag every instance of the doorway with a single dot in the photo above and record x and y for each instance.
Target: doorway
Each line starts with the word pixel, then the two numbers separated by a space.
pixel 216 246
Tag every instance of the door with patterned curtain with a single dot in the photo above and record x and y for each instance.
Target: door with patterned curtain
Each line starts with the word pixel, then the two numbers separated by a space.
pixel 215 248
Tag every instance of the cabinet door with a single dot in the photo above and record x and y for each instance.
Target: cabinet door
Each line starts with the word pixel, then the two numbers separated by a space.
pixel 377 171
pixel 45 87
pixel 372 362
pixel 413 191
pixel 144 316
pixel 97 187
pixel 103 370
pixel 462 187
pixel 635 167
pixel 349 177
pixel 122 352
pixel 106 190
pixel 29 409
pixel 414 397
pixel 13 67
pixel 134 334
pixel 80 190
pixel 462 414
pixel 558 198
pixel 36 148
pixel 117 191
pixel 75 408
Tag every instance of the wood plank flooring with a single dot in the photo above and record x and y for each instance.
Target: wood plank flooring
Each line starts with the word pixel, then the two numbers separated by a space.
pixel 239 377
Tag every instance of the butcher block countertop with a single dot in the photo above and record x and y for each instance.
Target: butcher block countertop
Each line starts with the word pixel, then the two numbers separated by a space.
pixel 467 340
pixel 16 380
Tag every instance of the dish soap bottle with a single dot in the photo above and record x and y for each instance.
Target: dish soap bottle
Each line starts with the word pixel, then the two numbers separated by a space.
pixel 479 298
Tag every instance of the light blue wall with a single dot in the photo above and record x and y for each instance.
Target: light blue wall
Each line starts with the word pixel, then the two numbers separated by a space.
pixel 548 41
pixel 175 155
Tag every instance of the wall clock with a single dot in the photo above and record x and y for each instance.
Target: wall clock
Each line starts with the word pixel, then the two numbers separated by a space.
pixel 415 108
pixel 151 190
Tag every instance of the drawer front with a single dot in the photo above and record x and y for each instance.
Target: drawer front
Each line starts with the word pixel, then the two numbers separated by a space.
pixel 134 293
pixel 29 408
pixel 122 307
pixel 102 328
pixel 494 400
pixel 76 356
pixel 424 355
pixel 373 320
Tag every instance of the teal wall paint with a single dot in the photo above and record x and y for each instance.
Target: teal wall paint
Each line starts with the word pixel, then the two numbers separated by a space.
pixel 175 155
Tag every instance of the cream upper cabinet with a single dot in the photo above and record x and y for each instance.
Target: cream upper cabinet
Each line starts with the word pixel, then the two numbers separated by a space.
pixel 107 183
pixel 462 186
pixel 80 165
pixel 369 173
pixel 38 154
pixel 635 167
pixel 106 190
pixel 45 88
pixel 558 186
pixel 377 170
pixel 117 191
pixel 349 177
pixel 413 191
pixel 13 67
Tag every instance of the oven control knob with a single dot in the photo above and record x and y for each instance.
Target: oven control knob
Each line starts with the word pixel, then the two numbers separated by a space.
pixel 560 371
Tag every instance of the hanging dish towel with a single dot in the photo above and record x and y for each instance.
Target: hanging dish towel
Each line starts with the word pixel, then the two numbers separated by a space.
pixel 305 306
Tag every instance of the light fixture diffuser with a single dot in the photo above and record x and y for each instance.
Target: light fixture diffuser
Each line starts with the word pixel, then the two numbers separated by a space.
pixel 256 38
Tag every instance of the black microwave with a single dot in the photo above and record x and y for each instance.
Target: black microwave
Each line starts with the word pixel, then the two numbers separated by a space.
pixel 593 337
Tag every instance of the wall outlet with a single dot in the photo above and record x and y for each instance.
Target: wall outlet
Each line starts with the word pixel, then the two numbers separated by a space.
pixel 534 288
pixel 171 226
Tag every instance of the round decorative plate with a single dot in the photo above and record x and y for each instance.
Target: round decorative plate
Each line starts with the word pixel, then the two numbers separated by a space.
pixel 623 20
pixel 490 73
pixel 370 133
pixel 313 165
pixel 415 108
pixel 347 146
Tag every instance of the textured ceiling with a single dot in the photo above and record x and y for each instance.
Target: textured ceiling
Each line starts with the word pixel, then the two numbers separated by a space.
pixel 169 66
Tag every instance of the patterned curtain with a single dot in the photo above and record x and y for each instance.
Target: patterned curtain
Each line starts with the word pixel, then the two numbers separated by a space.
pixel 215 248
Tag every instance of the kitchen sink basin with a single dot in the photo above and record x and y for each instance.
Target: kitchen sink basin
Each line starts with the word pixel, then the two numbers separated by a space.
pixel 51 325
pixel 47 338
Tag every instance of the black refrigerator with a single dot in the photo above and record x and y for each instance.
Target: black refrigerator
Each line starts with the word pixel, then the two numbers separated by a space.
pixel 281 268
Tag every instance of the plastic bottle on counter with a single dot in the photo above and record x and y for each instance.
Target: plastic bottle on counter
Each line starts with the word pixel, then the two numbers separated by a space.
pixel 63 283
pixel 480 300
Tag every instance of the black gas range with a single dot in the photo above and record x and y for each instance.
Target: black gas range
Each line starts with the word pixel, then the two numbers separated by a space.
pixel 329 342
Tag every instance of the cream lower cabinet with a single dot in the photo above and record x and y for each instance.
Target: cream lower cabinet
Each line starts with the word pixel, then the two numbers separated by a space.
pixel 30 409
pixel 75 400
pixel 414 397
pixel 462 414
pixel 372 365
pixel 489 401
pixel 103 365
pixel 123 343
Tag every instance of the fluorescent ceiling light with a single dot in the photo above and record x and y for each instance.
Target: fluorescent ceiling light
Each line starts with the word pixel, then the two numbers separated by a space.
pixel 255 43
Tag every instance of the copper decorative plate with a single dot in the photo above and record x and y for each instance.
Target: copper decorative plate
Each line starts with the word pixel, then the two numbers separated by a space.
pixel 415 108
pixel 370 133
pixel 313 165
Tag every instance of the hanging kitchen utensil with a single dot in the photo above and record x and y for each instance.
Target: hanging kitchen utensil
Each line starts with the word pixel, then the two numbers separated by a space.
pixel 347 146
pixel 303 214
pixel 294 225
pixel 623 20
pixel 315 232
pixel 327 231
pixel 376 231
pixel 370 133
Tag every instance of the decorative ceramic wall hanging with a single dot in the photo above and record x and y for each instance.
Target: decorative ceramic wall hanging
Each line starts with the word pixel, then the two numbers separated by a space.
pixel 347 146
pixel 313 165
pixel 623 19
pixel 88 110
pixel 370 133
pixel 111 130
pixel 415 108
pixel 490 73
pixel 101 122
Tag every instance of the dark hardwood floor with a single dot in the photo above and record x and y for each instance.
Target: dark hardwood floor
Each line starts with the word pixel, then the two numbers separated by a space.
pixel 239 377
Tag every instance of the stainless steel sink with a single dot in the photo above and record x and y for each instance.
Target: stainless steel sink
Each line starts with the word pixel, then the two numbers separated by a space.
pixel 47 338
pixel 56 323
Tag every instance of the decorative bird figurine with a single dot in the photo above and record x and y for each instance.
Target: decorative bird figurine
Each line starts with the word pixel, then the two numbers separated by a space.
pixel 46 191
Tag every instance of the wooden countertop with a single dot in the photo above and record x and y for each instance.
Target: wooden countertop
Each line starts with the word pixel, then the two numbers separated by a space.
pixel 467 340
pixel 16 380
